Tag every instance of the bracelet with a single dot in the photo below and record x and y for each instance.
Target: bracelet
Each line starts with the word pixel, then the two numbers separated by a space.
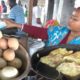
pixel 22 26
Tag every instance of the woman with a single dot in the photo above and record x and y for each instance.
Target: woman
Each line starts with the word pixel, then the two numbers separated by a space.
pixel 56 34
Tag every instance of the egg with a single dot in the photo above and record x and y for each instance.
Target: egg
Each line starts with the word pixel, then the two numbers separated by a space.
pixel 13 43
pixel 1 52
pixel 3 63
pixel 8 72
pixel 3 43
pixel 17 63
pixel 9 54
pixel 1 35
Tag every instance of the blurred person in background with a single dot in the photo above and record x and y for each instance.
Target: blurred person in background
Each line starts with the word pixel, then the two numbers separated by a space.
pixel 16 12
pixel 19 3
pixel 4 7
pixel 36 16
pixel 0 10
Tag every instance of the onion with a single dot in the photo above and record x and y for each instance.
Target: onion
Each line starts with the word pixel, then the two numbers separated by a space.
pixel 9 54
pixel 8 73
pixel 13 43
pixel 3 43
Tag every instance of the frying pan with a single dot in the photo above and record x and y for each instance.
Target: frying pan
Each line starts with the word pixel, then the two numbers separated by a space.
pixel 45 70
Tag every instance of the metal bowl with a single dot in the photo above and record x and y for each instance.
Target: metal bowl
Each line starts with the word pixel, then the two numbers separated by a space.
pixel 25 68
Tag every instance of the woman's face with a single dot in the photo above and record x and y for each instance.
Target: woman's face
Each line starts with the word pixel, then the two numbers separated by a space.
pixel 74 21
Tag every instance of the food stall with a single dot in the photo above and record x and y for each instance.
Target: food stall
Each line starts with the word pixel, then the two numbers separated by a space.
pixel 44 66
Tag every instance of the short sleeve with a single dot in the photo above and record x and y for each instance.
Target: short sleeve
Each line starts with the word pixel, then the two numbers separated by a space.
pixel 11 15
pixel 17 14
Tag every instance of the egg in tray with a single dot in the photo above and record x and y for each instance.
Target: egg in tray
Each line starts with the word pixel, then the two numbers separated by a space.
pixel 65 61
pixel 9 62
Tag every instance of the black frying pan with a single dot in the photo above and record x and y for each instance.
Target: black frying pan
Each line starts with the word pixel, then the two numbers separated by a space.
pixel 45 70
